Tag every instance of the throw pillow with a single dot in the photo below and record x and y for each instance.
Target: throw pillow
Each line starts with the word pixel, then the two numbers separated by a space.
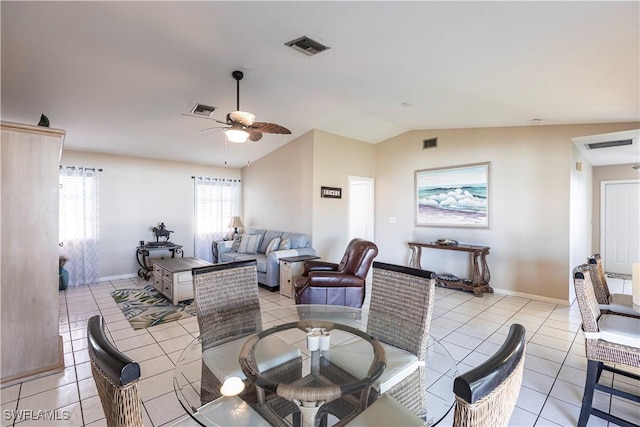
pixel 285 243
pixel 249 243
pixel 273 245
pixel 236 242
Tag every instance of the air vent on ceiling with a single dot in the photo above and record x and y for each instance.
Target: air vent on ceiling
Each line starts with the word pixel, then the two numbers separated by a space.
pixel 429 143
pixel 596 145
pixel 307 46
pixel 203 110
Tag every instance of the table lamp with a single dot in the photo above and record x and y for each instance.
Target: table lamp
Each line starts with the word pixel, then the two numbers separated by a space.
pixel 235 223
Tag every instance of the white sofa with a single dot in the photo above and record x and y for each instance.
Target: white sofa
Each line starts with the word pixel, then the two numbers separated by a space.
pixel 268 264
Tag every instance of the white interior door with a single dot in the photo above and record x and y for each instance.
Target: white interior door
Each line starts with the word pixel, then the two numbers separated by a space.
pixel 620 225
pixel 361 208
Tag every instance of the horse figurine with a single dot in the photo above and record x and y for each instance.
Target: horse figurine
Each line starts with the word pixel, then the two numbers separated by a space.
pixel 162 231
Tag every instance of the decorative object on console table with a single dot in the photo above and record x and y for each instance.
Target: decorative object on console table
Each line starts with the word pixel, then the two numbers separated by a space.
pixel 480 277
pixel 291 267
pixel 456 196
pixel 235 223
pixel 161 231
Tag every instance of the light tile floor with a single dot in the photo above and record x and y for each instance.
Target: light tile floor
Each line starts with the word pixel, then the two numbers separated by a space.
pixel 471 328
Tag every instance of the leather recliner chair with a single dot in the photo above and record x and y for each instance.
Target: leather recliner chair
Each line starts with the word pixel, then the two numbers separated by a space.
pixel 337 284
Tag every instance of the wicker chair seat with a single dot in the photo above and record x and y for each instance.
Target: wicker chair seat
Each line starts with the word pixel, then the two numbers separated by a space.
pixel 230 411
pixel 223 362
pixel 618 330
pixel 355 358
pixel 386 411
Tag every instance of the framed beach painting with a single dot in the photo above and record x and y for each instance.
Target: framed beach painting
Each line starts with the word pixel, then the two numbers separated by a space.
pixel 455 196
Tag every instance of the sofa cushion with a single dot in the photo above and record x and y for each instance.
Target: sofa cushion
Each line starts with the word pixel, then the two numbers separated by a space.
pixel 298 240
pixel 268 237
pixel 285 244
pixel 272 246
pixel 261 259
pixel 249 244
pixel 236 242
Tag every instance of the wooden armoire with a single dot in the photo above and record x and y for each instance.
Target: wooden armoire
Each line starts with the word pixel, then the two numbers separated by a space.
pixel 29 251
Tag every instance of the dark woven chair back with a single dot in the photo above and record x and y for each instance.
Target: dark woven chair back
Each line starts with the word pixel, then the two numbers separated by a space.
pixel 358 257
pixel 227 301
pixel 598 279
pixel 116 377
pixel 586 297
pixel 401 307
pixel 487 394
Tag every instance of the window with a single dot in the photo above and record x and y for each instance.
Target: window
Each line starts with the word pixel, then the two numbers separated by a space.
pixel 78 219
pixel 216 201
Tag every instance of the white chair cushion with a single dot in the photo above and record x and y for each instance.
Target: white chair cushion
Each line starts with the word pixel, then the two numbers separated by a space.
pixel 620 330
pixel 270 352
pixel 227 411
pixel 385 412
pixel 355 357
pixel 622 303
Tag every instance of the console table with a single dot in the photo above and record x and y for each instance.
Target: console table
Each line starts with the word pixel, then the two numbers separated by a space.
pixel 142 256
pixel 479 281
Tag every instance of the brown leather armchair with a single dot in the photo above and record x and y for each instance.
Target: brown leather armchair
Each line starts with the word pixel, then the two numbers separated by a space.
pixel 337 284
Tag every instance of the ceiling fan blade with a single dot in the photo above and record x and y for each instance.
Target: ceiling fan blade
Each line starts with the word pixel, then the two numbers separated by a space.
pixel 270 128
pixel 213 129
pixel 254 135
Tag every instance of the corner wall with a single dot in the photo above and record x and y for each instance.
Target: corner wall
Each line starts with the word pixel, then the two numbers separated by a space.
pixel 530 236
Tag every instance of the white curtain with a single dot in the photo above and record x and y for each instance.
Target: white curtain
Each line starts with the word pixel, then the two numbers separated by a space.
pixel 216 201
pixel 79 223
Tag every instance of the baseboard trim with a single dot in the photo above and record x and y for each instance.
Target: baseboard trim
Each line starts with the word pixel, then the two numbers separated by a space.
pixel 120 277
pixel 531 296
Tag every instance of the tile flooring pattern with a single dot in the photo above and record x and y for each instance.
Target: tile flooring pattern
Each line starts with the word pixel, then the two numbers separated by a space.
pixel 471 328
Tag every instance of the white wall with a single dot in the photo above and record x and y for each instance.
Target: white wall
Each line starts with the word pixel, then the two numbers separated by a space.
pixel 137 194
pixel 277 188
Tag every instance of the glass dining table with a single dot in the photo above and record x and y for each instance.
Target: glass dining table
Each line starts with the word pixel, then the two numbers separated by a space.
pixel 287 323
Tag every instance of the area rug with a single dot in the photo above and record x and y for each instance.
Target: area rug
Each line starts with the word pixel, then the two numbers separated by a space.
pixel 147 307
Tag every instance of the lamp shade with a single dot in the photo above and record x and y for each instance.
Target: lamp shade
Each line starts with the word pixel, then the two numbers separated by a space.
pixel 237 135
pixel 236 222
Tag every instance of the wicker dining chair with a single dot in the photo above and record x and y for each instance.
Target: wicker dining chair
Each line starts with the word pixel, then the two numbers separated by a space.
pixel 399 317
pixel 609 303
pixel 609 338
pixel 487 394
pixel 228 311
pixel 116 377
pixel 484 396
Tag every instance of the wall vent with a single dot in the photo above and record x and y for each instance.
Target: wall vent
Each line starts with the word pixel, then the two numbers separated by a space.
pixel 429 143
pixel 608 144
pixel 203 110
pixel 307 46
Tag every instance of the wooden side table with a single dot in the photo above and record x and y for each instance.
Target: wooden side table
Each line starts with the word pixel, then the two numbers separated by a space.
pixel 291 267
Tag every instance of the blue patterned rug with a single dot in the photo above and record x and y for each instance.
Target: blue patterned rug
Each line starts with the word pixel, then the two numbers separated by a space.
pixel 147 307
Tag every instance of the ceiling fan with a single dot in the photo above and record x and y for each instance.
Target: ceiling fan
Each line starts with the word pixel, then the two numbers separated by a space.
pixel 242 125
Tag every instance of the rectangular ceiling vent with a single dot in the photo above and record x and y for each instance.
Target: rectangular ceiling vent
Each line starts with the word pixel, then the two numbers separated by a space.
pixel 203 110
pixel 429 143
pixel 307 46
pixel 596 145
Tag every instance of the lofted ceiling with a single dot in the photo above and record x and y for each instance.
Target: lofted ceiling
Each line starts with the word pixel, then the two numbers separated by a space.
pixel 119 75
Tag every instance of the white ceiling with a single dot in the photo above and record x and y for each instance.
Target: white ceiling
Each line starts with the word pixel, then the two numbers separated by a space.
pixel 118 75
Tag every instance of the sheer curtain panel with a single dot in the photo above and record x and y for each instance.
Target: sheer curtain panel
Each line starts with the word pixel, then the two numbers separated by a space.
pixel 216 201
pixel 79 223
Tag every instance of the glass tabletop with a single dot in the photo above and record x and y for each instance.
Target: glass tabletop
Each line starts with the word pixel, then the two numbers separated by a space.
pixel 208 408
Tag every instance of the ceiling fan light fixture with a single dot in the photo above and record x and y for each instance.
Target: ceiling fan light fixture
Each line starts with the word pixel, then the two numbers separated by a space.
pixel 236 135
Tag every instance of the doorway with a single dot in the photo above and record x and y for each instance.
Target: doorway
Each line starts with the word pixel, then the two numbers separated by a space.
pixel 619 225
pixel 361 207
